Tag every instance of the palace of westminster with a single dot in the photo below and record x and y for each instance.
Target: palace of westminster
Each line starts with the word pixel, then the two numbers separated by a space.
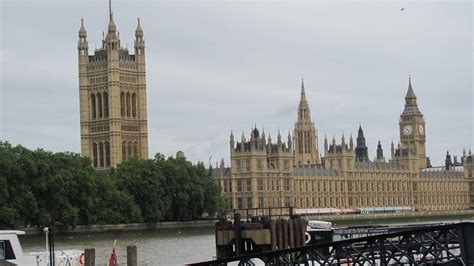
pixel 113 117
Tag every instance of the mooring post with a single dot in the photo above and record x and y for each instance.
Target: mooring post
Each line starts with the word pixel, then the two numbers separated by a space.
pixel 89 257
pixel 296 225
pixel 291 233
pixel 273 234
pixel 237 234
pixel 132 256
pixel 280 233
pixel 285 233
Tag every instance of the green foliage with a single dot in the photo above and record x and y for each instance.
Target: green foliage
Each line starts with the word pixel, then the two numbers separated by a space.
pixel 40 188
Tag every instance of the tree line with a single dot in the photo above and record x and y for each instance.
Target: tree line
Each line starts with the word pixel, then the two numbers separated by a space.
pixel 42 188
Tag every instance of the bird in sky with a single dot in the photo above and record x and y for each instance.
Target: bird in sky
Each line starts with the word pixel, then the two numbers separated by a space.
pixel 402 9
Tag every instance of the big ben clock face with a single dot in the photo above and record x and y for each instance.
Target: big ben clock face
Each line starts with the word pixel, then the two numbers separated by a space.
pixel 421 129
pixel 407 130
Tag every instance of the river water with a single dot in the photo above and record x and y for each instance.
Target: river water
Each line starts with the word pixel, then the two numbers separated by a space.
pixel 154 247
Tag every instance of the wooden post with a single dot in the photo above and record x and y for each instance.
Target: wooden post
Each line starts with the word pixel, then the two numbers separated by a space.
pixel 291 233
pixel 285 233
pixel 296 225
pixel 273 233
pixel 280 233
pixel 132 256
pixel 237 234
pixel 89 257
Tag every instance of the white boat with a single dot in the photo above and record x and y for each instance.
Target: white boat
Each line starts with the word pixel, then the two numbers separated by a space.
pixel 12 252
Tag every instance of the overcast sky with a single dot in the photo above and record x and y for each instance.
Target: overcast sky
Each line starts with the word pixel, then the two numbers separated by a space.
pixel 213 67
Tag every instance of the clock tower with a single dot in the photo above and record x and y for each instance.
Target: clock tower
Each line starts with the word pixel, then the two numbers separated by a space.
pixel 412 129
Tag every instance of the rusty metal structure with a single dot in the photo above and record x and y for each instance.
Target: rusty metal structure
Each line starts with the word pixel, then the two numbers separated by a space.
pixel 451 244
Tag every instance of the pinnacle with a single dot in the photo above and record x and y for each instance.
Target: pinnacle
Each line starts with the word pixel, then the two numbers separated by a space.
pixel 410 92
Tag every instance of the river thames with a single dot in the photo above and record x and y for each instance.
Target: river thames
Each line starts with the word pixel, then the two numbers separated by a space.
pixel 154 247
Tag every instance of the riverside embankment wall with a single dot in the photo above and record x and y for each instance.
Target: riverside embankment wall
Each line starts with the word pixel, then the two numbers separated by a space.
pixel 122 227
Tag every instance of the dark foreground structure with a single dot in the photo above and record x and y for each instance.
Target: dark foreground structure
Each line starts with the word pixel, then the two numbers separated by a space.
pixel 451 244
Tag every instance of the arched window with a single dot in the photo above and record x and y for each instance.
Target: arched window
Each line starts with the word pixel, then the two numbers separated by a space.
pixel 122 104
pixel 93 110
pixel 134 105
pixel 106 104
pixel 101 154
pixel 135 149
pixel 99 103
pixel 124 151
pixel 130 149
pixel 107 154
pixel 128 105
pixel 94 154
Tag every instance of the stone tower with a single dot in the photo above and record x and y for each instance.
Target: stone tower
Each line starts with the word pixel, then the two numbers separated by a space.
pixel 306 136
pixel 361 149
pixel 113 109
pixel 412 128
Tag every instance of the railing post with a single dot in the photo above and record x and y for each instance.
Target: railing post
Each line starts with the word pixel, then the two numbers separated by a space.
pixel 89 259
pixel 132 256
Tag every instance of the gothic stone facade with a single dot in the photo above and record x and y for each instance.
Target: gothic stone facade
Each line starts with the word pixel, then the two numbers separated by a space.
pixel 113 110
pixel 273 174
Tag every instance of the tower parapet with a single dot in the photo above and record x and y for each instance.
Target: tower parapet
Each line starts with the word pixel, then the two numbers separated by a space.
pixel 339 157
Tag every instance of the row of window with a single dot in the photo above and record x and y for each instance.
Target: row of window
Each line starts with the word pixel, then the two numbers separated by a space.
pixel 129 150
pixel 101 154
pixel 260 164
pixel 99 105
pixel 128 104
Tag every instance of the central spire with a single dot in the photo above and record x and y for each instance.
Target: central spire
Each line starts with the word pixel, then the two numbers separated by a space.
pixel 110 11
pixel 303 94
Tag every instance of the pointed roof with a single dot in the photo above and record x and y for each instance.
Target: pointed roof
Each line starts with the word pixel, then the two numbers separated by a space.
pixel 360 131
pixel 138 31
pixel 303 94
pixel 82 30
pixel 410 92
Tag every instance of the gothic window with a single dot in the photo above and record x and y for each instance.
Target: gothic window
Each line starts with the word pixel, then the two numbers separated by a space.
pixel 260 202
pixel 135 149
pixel 107 154
pixel 249 184
pixel 247 165
pixel 122 104
pixel 106 105
pixel 94 154
pixel 128 105
pixel 93 110
pixel 249 202
pixel 239 203
pixel 300 142
pixel 124 151
pixel 239 185
pixel 101 154
pixel 99 103
pixel 134 105
pixel 129 149
pixel 260 184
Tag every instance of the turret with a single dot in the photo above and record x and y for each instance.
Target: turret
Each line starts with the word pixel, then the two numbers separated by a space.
pixel 325 144
pixel 447 161
pixel 231 141
pixel 139 44
pixel 351 142
pixel 82 44
pixel 361 150
pixel 380 157
pixel 290 147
